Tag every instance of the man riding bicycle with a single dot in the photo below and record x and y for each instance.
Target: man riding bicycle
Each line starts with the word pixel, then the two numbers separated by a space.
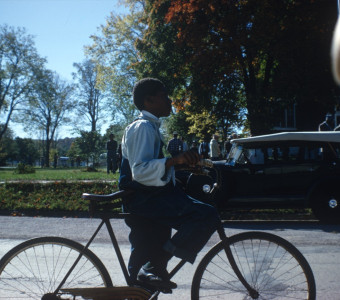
pixel 158 204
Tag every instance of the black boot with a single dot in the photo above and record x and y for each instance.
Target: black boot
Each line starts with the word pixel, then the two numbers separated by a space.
pixel 154 273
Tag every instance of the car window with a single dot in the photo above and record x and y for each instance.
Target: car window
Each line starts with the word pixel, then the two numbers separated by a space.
pixel 282 153
pixel 234 154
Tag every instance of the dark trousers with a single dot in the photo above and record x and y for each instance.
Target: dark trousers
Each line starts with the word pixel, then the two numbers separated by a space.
pixel 111 162
pixel 153 215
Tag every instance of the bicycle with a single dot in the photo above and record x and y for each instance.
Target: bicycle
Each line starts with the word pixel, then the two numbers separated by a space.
pixel 249 265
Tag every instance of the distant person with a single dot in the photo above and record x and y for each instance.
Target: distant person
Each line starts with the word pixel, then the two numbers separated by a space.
pixel 215 151
pixel 194 146
pixel 111 147
pixel 175 145
pixel 204 149
pixel 185 145
pixel 328 124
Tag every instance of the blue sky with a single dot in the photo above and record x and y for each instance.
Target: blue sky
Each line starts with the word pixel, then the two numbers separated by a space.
pixel 61 29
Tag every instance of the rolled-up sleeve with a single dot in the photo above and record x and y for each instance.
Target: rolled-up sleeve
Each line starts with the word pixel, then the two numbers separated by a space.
pixel 141 147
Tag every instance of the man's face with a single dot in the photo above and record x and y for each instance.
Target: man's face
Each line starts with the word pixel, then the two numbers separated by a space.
pixel 159 104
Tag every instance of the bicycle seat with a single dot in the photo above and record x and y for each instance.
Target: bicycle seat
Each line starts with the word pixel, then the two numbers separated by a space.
pixel 106 202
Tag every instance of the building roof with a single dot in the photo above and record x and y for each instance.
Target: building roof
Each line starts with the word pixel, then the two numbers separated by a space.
pixel 317 136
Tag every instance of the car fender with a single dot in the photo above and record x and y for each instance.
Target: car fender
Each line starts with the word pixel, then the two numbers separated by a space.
pixel 321 184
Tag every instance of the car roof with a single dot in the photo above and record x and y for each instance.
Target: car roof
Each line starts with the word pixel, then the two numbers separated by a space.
pixel 316 136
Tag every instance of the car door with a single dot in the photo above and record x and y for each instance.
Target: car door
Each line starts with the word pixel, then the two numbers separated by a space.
pixel 305 165
pixel 253 172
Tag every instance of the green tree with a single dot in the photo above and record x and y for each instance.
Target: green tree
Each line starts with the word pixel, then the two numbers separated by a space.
pixel 114 52
pixel 27 151
pixel 74 152
pixel 18 61
pixel 91 145
pixel 7 147
pixel 90 97
pixel 178 122
pixel 202 125
pixel 49 103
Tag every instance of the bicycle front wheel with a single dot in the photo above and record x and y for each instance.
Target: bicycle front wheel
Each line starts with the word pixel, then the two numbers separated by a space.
pixel 36 267
pixel 271 265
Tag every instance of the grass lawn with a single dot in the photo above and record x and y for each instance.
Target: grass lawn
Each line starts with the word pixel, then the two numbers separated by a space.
pixel 7 174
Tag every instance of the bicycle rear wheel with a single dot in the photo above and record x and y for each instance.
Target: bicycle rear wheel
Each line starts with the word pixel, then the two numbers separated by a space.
pixel 37 266
pixel 270 265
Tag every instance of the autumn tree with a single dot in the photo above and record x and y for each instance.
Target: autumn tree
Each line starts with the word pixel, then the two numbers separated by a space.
pixel 165 57
pixel 18 60
pixel 277 52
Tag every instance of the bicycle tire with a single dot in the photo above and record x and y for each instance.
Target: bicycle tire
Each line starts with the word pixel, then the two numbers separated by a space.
pixel 271 265
pixel 37 266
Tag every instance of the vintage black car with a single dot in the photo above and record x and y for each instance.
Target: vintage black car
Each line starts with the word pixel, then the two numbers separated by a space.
pixel 283 170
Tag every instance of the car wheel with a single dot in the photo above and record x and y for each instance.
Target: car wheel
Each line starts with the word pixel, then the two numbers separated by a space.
pixel 325 203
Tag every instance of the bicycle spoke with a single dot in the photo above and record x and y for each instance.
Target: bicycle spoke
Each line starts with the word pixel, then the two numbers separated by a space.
pixel 37 267
pixel 273 270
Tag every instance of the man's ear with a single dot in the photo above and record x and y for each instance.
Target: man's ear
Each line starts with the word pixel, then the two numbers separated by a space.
pixel 148 100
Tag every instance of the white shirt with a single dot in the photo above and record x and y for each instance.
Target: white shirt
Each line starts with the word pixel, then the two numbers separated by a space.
pixel 141 146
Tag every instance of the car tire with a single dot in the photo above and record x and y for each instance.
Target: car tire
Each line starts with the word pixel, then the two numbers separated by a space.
pixel 325 202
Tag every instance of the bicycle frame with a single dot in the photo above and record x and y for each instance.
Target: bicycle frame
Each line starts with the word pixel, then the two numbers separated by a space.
pixel 106 220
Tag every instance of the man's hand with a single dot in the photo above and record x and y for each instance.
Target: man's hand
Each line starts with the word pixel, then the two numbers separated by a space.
pixel 190 158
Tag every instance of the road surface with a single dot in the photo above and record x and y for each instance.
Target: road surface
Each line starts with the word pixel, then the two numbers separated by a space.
pixel 320 244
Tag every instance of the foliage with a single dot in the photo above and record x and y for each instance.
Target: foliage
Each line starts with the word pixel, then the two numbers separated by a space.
pixel 203 125
pixel 160 55
pixel 90 169
pixel 178 122
pixel 26 151
pixel 74 151
pixel 7 147
pixel 267 49
pixel 63 146
pixel 114 52
pixel 46 174
pixel 24 169
pixel 90 144
pixel 18 62
pixel 52 196
pixel 90 97
pixel 49 103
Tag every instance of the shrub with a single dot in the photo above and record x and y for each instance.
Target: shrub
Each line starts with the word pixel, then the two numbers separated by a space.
pixel 51 196
pixel 24 169
pixel 90 169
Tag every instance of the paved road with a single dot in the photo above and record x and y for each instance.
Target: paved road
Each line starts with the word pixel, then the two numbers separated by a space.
pixel 319 243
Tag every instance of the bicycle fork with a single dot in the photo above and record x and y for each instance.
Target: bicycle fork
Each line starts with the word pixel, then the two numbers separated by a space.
pixel 252 292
